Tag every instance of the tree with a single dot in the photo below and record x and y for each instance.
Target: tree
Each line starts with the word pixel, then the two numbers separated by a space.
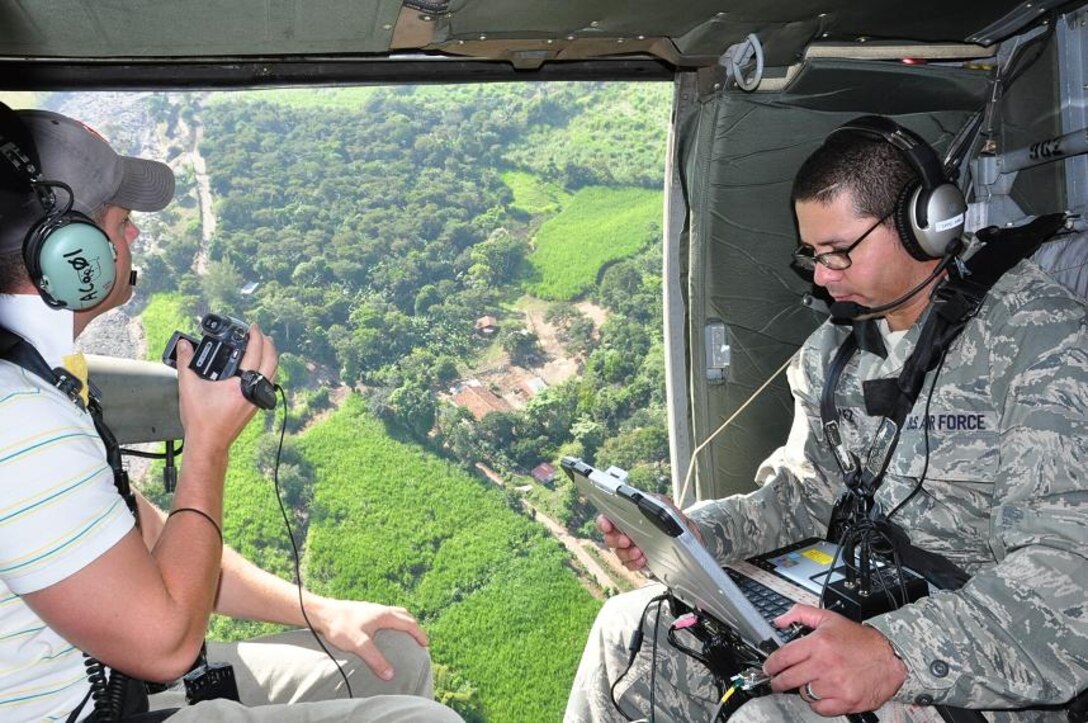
pixel 523 346
pixel 414 408
pixel 620 283
pixel 178 252
pixel 445 369
pixel 589 434
pixel 427 297
pixel 628 449
pixel 222 286
pixel 550 413
pixel 577 336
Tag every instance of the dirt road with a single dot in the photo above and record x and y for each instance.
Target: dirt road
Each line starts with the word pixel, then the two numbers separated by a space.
pixel 577 546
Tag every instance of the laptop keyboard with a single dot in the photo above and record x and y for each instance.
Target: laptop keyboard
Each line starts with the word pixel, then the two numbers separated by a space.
pixel 769 603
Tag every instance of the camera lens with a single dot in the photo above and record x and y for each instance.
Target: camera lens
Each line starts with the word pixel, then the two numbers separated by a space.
pixel 211 323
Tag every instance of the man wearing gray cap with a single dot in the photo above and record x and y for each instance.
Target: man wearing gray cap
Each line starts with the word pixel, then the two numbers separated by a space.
pixel 81 576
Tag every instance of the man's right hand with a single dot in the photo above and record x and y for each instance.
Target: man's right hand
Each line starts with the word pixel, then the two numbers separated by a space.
pixel 215 413
pixel 626 550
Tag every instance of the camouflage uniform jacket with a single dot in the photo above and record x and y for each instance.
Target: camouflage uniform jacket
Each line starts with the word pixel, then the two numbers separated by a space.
pixel 1005 495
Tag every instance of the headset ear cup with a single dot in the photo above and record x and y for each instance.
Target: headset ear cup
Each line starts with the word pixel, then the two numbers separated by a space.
pixel 945 211
pixel 905 221
pixel 71 261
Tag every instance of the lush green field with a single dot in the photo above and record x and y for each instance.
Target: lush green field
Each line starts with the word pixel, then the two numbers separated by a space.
pixel 534 195
pixel 597 226
pixel 394 524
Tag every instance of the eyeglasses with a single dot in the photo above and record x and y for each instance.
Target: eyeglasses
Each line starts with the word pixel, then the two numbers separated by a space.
pixel 839 259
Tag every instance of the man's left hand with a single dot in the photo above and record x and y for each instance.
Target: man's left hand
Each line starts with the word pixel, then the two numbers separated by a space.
pixel 351 625
pixel 841 667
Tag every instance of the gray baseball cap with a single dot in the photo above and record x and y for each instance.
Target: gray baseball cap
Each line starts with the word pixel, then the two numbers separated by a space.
pixel 75 154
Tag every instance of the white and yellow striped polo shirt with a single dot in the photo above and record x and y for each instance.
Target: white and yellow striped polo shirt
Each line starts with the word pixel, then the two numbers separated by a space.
pixel 59 511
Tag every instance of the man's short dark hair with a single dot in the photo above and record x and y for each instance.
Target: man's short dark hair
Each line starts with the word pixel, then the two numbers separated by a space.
pixel 12 272
pixel 874 172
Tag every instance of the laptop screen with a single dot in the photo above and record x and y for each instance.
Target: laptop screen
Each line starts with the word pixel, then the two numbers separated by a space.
pixel 806 565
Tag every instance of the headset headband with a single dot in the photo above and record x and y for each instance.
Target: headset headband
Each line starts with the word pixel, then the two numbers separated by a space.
pixel 921 156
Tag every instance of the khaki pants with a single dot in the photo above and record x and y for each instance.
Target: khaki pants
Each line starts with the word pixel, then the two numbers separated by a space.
pixel 287 677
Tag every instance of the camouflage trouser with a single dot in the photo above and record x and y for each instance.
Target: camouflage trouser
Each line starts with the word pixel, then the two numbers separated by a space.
pixel 683 689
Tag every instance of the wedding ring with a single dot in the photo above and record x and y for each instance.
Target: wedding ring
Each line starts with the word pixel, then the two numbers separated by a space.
pixel 809 694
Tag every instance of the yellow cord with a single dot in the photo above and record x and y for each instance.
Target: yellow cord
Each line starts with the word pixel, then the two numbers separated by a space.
pixel 728 695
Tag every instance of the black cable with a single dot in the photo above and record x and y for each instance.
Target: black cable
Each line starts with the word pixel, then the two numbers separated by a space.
pixel 294 546
pixel 633 647
pixel 674 641
pixel 925 428
pixel 96 675
pixel 863 532
pixel 653 660
pixel 128 451
pixel 107 695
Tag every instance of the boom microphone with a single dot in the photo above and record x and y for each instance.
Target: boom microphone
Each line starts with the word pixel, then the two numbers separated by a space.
pixel 814 303
pixel 850 311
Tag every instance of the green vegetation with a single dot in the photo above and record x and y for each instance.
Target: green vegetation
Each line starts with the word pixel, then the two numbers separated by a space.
pixel 166 313
pixel 597 226
pixel 401 526
pixel 252 522
pixel 533 196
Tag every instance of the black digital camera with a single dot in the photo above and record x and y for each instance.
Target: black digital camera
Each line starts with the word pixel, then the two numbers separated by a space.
pixel 218 355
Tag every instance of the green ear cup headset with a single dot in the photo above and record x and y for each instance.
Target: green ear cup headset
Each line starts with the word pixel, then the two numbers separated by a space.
pixel 69 258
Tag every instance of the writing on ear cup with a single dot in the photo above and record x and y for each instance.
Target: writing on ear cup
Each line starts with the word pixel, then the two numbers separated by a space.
pixel 70 260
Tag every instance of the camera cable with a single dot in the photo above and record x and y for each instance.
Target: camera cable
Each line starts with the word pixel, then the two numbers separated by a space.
pixel 294 545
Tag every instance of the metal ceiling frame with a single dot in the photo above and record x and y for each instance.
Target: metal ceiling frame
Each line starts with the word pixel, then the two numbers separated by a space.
pixel 250 72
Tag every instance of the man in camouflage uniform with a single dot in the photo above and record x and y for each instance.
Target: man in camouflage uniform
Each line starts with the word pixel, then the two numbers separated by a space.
pixel 995 482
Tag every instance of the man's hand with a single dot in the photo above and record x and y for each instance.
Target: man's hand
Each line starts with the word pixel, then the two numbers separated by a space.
pixel 847 667
pixel 215 413
pixel 351 625
pixel 626 550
